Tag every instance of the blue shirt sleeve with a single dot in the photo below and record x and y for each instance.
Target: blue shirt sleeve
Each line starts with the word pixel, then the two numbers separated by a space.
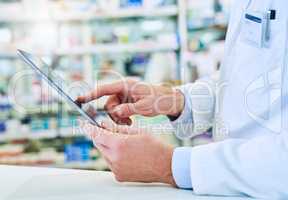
pixel 181 167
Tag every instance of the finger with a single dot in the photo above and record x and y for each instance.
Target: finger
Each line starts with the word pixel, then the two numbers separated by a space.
pixel 128 109
pixel 102 90
pixel 125 110
pixel 123 129
pixel 125 121
pixel 143 89
pixel 90 110
pixel 115 119
pixel 110 126
pixel 112 102
pixel 120 121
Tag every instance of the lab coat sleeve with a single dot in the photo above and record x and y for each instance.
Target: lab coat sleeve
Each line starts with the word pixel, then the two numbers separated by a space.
pixel 256 167
pixel 198 113
pixel 200 97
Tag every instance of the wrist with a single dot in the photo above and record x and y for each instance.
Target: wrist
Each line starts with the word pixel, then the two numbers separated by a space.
pixel 165 174
pixel 179 103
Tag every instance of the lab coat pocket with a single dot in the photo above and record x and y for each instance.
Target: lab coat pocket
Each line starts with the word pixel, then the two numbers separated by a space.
pixel 263 96
pixel 254 89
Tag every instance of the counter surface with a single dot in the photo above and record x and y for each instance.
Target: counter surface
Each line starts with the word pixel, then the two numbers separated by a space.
pixel 26 183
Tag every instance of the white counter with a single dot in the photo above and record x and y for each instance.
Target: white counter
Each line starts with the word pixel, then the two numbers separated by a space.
pixel 25 183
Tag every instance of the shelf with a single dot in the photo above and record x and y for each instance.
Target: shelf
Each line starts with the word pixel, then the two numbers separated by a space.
pixel 62 16
pixel 9 55
pixel 103 48
pixel 47 134
pixel 118 48
pixel 4 137
pixel 206 23
pixel 121 13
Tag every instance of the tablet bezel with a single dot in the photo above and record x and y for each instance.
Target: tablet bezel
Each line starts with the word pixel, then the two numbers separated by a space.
pixel 25 57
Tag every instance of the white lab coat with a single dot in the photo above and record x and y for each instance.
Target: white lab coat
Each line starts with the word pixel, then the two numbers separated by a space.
pixel 247 112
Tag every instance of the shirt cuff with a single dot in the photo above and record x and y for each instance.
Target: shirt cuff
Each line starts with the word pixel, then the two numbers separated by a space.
pixel 181 167
pixel 183 125
pixel 186 114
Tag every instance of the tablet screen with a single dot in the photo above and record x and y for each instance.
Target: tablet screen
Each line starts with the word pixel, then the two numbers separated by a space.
pixel 42 69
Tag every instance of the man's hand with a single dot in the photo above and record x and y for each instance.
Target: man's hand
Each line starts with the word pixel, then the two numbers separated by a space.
pixel 129 97
pixel 131 154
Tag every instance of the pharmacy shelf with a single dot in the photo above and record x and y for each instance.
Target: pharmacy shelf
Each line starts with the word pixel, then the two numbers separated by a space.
pixel 216 21
pixel 49 108
pixel 67 16
pixel 119 48
pixel 47 134
pixel 120 13
pixel 144 47
pixel 9 55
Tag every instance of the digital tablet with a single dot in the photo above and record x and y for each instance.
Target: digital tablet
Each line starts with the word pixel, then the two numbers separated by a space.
pixel 42 69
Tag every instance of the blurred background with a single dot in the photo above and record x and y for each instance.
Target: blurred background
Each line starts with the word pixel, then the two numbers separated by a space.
pixel 86 42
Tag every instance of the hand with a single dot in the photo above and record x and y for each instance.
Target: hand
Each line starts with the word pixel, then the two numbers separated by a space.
pixel 131 154
pixel 129 97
